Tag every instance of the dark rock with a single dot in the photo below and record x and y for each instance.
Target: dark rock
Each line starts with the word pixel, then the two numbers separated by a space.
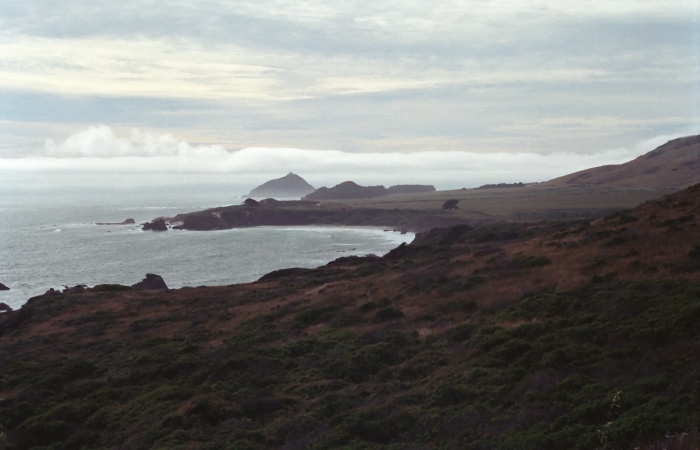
pixel 4 307
pixel 155 225
pixel 77 289
pixel 126 222
pixel 284 273
pixel 450 204
pixel 152 281
pixel 3 287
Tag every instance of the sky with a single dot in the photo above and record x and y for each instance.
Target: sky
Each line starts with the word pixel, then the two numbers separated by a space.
pixel 451 93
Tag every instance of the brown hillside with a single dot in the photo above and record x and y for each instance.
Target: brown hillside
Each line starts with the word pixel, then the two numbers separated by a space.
pixel 491 336
pixel 675 164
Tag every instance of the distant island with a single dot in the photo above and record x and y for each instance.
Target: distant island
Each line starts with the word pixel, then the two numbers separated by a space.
pixel 351 190
pixel 290 186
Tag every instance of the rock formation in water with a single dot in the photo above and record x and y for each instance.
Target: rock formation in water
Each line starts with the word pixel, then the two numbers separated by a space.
pixel 4 307
pixel 3 287
pixel 155 225
pixel 290 186
pixel 126 222
pixel 152 281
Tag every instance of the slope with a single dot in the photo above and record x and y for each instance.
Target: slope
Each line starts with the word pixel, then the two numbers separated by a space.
pixel 675 164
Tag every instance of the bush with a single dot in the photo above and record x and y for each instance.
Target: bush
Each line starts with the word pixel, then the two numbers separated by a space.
pixel 525 262
pixel 695 252
pixel 388 313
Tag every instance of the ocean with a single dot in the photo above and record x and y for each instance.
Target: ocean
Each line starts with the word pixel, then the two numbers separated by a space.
pixel 49 239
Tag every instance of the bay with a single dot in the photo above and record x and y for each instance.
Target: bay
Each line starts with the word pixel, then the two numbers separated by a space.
pixel 49 239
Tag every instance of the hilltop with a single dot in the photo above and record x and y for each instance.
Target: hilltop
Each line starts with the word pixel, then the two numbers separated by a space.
pixel 675 164
pixel 558 334
pixel 351 190
pixel 289 186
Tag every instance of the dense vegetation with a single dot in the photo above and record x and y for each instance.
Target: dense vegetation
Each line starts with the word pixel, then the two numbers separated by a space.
pixel 473 338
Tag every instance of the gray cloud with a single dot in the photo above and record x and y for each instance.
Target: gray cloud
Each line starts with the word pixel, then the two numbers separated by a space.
pixel 492 76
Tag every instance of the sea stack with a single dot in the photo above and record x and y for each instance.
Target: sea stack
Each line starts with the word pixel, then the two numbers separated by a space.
pixel 155 225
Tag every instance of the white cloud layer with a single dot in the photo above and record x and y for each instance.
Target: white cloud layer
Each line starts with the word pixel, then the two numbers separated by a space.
pixel 98 151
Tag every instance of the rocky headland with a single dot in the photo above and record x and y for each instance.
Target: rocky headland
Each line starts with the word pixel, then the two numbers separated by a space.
pixel 301 213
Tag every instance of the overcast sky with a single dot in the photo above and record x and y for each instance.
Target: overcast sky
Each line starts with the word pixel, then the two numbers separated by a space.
pixel 451 93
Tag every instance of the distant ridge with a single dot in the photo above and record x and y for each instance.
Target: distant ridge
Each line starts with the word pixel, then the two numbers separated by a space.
pixel 289 186
pixel 676 164
pixel 352 190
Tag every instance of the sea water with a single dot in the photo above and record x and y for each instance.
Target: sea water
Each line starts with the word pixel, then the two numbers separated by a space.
pixel 50 239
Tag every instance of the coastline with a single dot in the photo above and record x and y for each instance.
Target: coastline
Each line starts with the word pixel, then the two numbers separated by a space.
pixel 123 254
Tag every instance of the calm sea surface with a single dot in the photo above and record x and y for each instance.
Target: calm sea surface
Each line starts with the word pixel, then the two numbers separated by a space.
pixel 50 240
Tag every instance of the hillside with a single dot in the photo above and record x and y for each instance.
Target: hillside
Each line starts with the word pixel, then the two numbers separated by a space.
pixel 577 334
pixel 289 186
pixel 675 164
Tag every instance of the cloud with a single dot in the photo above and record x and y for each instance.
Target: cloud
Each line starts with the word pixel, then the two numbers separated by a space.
pixel 101 142
pixel 98 150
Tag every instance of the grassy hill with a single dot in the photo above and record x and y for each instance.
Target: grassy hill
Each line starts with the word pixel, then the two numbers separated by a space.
pixel 676 164
pixel 573 334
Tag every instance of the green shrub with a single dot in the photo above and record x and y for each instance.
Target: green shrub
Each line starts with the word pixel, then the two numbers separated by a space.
pixel 317 314
pixel 695 251
pixel 525 262
pixel 367 307
pixel 388 313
